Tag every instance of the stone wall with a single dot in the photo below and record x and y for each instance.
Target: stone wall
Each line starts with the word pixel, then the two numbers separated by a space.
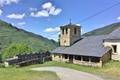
pixel 65 38
pixel 69 37
pixel 59 58
pixel 106 57
pixel 109 44
pixel 85 63
pixel 74 37
pixel 115 56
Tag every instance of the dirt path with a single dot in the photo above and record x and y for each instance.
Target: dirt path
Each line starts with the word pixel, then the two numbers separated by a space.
pixel 69 74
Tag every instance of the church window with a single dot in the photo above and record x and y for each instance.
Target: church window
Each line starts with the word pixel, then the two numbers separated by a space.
pixel 75 30
pixel 63 31
pixel 66 30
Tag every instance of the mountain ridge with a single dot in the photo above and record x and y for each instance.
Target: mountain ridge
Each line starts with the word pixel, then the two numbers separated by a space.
pixel 10 34
pixel 103 30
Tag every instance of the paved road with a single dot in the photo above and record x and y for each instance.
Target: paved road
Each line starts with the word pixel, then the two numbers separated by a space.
pixel 69 74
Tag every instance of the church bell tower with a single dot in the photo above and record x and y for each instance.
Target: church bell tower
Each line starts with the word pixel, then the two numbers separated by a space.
pixel 69 34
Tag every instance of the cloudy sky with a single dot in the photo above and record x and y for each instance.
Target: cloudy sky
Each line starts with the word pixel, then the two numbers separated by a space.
pixel 45 16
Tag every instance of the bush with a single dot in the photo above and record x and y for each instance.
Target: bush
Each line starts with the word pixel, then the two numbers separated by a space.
pixel 15 49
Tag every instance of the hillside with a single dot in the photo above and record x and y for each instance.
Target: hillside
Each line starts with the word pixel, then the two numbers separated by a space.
pixel 104 30
pixel 10 34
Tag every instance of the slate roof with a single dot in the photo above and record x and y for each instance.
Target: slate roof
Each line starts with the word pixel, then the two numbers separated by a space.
pixel 115 34
pixel 70 25
pixel 89 46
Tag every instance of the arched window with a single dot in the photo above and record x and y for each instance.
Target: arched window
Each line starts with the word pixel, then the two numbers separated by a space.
pixel 66 30
pixel 75 30
pixel 63 31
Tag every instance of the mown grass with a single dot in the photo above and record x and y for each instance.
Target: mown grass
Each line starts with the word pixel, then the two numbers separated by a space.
pixel 26 74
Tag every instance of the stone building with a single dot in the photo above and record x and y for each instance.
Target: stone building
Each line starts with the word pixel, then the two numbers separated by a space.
pixel 89 51
pixel 69 34
pixel 113 41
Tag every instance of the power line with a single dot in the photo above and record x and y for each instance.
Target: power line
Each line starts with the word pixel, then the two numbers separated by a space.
pixel 98 13
pixel 87 18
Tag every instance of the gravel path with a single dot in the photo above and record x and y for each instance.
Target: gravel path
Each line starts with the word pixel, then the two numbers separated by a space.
pixel 69 74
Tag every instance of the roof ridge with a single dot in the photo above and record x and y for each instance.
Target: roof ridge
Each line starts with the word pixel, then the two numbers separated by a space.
pixel 114 34
pixel 115 30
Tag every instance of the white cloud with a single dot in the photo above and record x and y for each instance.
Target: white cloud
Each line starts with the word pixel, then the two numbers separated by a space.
pixel 1 12
pixel 118 18
pixel 56 29
pixel 55 11
pixel 47 5
pixel 33 9
pixel 42 13
pixel 48 9
pixel 16 16
pixel 8 2
pixel 21 23
pixel 78 24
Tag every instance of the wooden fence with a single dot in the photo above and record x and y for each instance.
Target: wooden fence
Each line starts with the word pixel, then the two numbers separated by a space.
pixel 27 59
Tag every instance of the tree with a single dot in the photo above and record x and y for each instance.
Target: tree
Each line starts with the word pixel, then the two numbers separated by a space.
pixel 15 49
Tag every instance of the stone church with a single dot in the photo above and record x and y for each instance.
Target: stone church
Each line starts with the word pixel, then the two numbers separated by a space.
pixel 89 51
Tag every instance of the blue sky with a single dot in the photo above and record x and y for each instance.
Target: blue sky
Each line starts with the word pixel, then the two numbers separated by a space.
pixel 45 16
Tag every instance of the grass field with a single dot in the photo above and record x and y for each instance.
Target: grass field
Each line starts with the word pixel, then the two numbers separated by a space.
pixel 25 74
pixel 110 71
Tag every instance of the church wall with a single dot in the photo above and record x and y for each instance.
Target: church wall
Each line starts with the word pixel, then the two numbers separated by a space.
pixel 86 63
pixel 69 35
pixel 65 41
pixel 64 38
pixel 60 58
pixel 106 57
pixel 109 44
pixel 115 56
pixel 74 37
pixel 56 57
